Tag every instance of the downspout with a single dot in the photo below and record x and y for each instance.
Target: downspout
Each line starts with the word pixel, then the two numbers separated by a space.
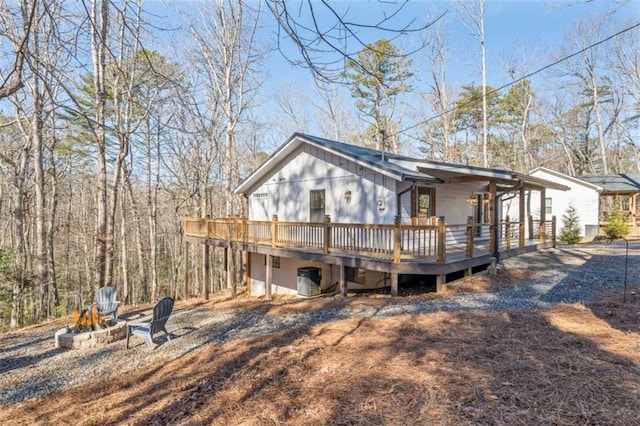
pixel 399 197
pixel 496 216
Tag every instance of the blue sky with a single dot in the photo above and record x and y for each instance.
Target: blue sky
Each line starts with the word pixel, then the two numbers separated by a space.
pixel 539 26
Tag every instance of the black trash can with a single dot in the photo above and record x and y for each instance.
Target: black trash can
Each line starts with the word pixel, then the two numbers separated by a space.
pixel 309 279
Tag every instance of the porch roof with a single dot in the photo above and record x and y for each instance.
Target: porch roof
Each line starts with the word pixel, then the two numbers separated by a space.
pixel 629 182
pixel 398 167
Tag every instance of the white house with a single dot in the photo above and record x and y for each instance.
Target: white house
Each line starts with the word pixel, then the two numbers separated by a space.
pixel 358 218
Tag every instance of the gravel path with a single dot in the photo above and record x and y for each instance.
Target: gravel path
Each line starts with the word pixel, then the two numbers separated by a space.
pixel 30 365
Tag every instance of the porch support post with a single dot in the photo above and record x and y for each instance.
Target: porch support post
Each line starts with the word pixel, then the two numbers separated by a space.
pixel 470 232
pixel 493 235
pixel 543 217
pixel 507 232
pixel 267 280
pixel 553 231
pixel 327 233
pixel 397 240
pixel 206 265
pixel 186 270
pixel 442 238
pixel 274 230
pixel 394 284
pixel 343 281
pixel 521 218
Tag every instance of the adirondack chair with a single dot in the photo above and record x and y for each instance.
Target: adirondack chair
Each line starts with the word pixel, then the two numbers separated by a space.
pixel 106 302
pixel 158 322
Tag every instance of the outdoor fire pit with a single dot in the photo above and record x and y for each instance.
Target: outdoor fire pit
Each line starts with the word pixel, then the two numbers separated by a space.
pixel 90 330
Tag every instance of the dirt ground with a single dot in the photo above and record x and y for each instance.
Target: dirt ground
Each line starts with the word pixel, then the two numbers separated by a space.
pixel 572 364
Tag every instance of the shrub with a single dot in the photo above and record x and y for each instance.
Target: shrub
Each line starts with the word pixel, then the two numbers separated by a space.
pixel 570 232
pixel 618 225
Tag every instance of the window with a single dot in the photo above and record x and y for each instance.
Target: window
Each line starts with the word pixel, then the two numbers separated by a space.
pixel 422 205
pixel 275 261
pixel 547 206
pixel 316 205
pixel 317 199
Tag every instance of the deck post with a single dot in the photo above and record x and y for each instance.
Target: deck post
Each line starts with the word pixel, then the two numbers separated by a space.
pixel 274 230
pixel 521 218
pixel 343 281
pixel 470 236
pixel 267 280
pixel 206 265
pixel 507 232
pixel 493 220
pixel 553 231
pixel 246 272
pixel 327 233
pixel 186 270
pixel 440 282
pixel 229 268
pixel 394 284
pixel 543 218
pixel 397 240
pixel 442 238
pixel 530 227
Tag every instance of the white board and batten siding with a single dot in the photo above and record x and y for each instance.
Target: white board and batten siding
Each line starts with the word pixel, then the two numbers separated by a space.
pixel 353 193
pixel 451 200
pixel 582 195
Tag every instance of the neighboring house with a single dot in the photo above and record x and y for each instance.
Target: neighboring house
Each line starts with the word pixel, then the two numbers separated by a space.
pixel 594 197
pixel 354 218
pixel 619 191
pixel 583 195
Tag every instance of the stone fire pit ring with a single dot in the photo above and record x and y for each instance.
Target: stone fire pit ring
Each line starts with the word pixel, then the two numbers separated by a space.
pixel 117 330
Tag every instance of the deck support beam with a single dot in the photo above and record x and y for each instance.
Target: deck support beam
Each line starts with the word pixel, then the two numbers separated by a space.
pixel 394 285
pixel 343 281
pixel 206 265
pixel 229 269
pixel 267 280
pixel 187 266
pixel 440 282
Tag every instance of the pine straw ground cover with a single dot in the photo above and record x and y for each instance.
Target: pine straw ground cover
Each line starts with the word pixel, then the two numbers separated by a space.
pixel 572 364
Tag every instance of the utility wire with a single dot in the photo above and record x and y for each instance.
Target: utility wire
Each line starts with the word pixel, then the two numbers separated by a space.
pixel 522 78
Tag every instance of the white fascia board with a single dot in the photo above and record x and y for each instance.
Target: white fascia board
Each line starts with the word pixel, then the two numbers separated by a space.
pixel 569 178
pixel 284 150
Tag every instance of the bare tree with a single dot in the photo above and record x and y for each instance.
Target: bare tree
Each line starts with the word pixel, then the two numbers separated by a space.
pixel 325 44
pixel 18 31
pixel 472 15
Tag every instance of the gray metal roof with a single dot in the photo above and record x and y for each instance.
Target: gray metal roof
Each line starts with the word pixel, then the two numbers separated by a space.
pixel 629 182
pixel 397 166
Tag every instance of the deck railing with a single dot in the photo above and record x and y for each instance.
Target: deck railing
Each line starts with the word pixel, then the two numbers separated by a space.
pixel 396 242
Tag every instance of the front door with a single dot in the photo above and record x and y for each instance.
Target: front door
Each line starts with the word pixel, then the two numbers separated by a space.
pixel 422 206
pixel 316 205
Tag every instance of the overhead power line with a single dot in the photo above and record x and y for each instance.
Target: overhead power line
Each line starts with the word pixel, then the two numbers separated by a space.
pixel 523 77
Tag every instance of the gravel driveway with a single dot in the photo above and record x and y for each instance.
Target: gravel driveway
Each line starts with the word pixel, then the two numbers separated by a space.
pixel 30 365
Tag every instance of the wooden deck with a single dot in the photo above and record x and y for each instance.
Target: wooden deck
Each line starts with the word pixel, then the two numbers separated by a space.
pixel 405 249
